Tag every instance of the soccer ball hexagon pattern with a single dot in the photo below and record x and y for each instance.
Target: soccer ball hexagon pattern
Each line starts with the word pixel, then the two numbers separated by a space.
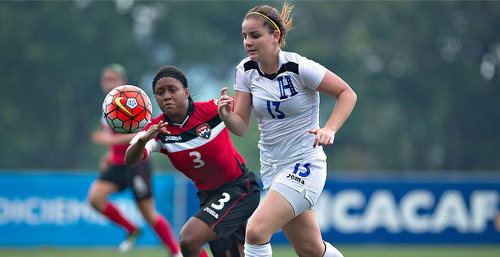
pixel 127 109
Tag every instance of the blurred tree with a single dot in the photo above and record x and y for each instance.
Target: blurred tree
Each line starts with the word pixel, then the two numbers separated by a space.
pixel 52 54
pixel 426 74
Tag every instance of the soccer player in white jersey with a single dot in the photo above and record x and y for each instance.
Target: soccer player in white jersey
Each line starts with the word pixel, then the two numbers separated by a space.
pixel 283 90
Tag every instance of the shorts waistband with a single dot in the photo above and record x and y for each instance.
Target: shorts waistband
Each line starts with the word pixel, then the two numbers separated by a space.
pixel 292 160
pixel 280 162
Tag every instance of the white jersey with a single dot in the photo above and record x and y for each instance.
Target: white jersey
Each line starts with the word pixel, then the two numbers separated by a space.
pixel 286 105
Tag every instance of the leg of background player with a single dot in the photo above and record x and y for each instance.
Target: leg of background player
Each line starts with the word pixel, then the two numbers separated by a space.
pixel 98 199
pixel 159 224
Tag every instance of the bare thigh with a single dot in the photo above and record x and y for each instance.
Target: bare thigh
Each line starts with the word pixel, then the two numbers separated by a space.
pixel 272 214
pixel 99 192
pixel 304 234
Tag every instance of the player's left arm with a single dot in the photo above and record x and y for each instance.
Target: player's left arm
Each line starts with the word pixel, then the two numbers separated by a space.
pixel 118 139
pixel 104 137
pixel 334 86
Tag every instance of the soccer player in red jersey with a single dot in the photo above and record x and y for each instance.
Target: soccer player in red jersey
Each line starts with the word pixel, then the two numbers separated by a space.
pixel 116 176
pixel 198 144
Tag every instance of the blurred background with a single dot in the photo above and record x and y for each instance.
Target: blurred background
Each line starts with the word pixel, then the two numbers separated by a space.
pixel 427 76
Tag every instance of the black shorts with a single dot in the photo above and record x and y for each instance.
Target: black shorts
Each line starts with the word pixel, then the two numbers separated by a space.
pixel 137 177
pixel 228 208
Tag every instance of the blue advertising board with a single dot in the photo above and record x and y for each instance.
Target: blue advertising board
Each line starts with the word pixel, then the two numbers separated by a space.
pixel 391 208
pixel 44 208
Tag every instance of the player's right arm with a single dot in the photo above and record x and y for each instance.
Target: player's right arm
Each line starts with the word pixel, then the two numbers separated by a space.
pixel 236 121
pixel 135 152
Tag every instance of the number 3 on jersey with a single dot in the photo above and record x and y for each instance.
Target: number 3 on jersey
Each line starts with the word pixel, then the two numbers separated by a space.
pixel 197 159
pixel 225 198
pixel 276 114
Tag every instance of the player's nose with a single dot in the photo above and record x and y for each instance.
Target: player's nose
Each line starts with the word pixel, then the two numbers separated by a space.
pixel 247 42
pixel 167 96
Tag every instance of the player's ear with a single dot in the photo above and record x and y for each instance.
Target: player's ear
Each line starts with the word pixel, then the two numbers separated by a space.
pixel 276 36
pixel 186 93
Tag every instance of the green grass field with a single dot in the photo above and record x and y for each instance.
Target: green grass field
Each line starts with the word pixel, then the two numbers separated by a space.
pixel 278 251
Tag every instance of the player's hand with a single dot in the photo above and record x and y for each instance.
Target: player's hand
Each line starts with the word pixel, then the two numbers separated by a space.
pixel 225 104
pixel 324 136
pixel 154 130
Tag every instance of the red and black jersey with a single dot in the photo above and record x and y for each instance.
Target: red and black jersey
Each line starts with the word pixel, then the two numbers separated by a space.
pixel 117 151
pixel 201 147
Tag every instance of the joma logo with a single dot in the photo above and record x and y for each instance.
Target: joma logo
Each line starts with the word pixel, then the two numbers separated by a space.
pixel 293 177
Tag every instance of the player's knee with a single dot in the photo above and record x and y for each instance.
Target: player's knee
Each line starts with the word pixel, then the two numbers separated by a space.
pixel 96 202
pixel 189 244
pixel 256 235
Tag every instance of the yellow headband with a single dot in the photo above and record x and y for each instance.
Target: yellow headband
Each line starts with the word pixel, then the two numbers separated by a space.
pixel 268 19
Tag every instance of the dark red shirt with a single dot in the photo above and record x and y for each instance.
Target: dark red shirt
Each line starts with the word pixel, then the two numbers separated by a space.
pixel 201 147
pixel 117 151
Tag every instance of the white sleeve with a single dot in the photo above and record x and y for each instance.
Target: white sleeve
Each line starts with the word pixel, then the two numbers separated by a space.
pixel 240 82
pixel 153 146
pixel 312 73
pixel 136 138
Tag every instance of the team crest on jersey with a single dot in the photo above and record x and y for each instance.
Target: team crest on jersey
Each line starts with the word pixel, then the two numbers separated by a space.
pixel 204 131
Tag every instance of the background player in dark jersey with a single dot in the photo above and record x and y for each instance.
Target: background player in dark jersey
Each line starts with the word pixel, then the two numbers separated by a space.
pixel 116 176
pixel 198 144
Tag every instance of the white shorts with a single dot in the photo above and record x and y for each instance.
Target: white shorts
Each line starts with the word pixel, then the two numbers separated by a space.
pixel 299 181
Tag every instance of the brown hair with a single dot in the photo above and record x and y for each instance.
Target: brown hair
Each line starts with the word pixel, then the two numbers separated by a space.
pixel 282 20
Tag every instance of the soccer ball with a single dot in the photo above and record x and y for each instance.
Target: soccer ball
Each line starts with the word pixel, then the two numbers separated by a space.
pixel 127 109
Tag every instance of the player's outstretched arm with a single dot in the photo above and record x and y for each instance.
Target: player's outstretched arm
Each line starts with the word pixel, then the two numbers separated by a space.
pixel 103 137
pixel 135 152
pixel 236 121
